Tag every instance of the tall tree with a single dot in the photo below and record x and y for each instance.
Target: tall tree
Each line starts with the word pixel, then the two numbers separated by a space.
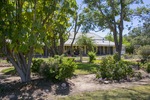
pixel 77 22
pixel 24 26
pixel 141 35
pixel 108 14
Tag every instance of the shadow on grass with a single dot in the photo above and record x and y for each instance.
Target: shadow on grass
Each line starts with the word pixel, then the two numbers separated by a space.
pixel 92 68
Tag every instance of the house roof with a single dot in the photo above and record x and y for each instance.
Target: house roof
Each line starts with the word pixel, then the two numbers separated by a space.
pixel 98 40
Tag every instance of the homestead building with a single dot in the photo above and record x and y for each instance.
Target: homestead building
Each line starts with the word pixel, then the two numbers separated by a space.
pixel 103 46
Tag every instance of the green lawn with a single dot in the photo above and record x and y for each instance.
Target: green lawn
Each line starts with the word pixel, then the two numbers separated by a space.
pixel 9 71
pixel 135 93
pixel 3 61
pixel 82 68
pixel 86 68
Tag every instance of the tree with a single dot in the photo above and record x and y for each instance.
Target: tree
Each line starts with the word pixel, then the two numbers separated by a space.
pixel 24 26
pixel 108 14
pixel 109 37
pixel 141 35
pixel 85 41
pixel 77 22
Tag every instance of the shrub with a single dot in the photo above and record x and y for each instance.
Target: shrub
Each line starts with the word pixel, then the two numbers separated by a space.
pixel 129 49
pixel 133 63
pixel 144 51
pixel 106 67
pixel 110 69
pixel 121 71
pixel 36 64
pixel 66 69
pixel 59 58
pixel 92 56
pixel 116 57
pixel 148 68
pixel 57 70
pixel 127 56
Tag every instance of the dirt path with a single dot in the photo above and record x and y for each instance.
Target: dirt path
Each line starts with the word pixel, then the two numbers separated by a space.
pixel 87 83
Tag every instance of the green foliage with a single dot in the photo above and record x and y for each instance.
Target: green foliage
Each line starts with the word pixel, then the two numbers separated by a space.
pixel 26 26
pixel 148 68
pixel 144 51
pixel 130 62
pixel 129 49
pixel 105 69
pixel 140 35
pixel 9 71
pixel 36 64
pixel 127 56
pixel 127 93
pixel 59 58
pixel 116 57
pixel 66 69
pixel 109 37
pixel 86 41
pixel 88 68
pixel 55 69
pixel 121 71
pixel 92 56
pixel 110 69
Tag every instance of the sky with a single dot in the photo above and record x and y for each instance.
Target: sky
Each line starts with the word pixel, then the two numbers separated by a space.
pixel 126 31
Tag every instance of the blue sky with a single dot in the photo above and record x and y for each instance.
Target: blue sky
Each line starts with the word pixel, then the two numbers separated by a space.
pixel 135 22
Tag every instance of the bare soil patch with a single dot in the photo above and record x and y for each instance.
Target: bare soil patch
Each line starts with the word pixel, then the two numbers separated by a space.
pixel 11 87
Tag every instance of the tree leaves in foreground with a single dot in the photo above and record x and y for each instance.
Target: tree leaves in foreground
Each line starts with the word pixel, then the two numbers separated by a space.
pixel 25 27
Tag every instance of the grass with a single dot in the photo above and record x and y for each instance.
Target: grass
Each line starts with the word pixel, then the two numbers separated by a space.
pixel 4 61
pixel 86 68
pixel 9 71
pixel 134 93
pixel 82 69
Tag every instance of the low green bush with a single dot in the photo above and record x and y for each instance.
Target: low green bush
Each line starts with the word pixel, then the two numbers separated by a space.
pixel 36 64
pixel 127 56
pixel 144 51
pixel 112 69
pixel 92 56
pixel 121 70
pixel 57 69
pixel 66 69
pixel 148 68
pixel 130 62
pixel 116 57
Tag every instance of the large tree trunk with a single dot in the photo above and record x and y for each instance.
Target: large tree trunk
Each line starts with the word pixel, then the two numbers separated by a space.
pixel 120 27
pixel 21 62
pixel 118 42
pixel 22 65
